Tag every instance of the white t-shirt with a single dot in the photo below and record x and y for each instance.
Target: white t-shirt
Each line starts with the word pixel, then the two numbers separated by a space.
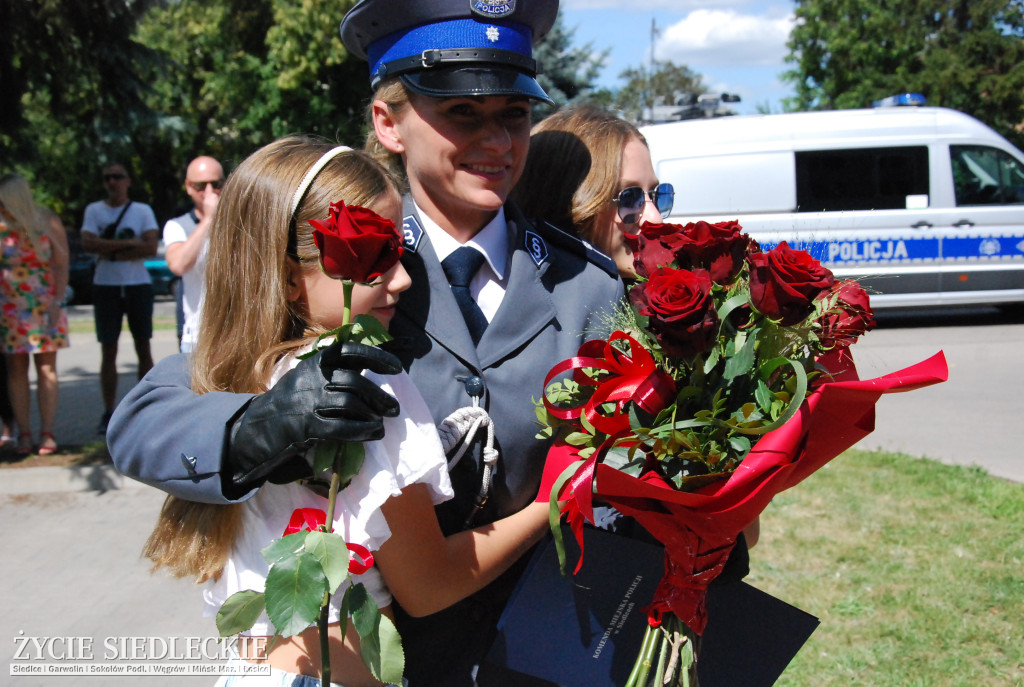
pixel 136 221
pixel 409 453
pixel 178 230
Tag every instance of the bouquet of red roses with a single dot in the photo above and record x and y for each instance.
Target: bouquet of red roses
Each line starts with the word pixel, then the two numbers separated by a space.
pixel 727 379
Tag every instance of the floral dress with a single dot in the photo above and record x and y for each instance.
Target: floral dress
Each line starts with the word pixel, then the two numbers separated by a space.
pixel 26 292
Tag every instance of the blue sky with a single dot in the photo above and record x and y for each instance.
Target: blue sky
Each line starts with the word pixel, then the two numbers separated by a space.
pixel 738 46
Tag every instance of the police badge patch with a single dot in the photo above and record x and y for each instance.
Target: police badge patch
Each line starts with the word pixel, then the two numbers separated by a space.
pixel 493 9
pixel 536 247
pixel 412 231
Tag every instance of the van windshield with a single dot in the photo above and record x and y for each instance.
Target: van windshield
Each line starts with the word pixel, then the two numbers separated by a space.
pixel 986 176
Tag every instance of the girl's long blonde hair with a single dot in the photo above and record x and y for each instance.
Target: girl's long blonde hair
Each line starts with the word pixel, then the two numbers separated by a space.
pixel 247 322
pixel 573 166
pixel 28 217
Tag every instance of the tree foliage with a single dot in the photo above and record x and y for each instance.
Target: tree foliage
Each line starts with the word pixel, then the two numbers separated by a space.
pixel 154 83
pixel 968 56
pixel 663 86
pixel 568 72
pixel 72 92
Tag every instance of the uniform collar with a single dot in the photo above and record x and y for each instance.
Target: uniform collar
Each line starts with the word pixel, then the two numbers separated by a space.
pixel 492 240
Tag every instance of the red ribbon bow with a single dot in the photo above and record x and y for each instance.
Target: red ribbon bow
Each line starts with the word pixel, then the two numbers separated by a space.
pixel 634 377
pixel 313 519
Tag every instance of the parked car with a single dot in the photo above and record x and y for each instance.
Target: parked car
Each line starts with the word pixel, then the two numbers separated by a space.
pixel 79 291
pixel 164 281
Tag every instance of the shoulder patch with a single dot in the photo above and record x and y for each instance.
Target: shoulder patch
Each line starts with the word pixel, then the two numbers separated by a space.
pixel 412 232
pixel 574 244
pixel 535 246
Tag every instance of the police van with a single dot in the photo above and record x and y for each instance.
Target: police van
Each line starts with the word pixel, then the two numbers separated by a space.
pixel 923 206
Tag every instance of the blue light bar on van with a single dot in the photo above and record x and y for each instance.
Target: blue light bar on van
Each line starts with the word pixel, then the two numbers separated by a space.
pixel 901 100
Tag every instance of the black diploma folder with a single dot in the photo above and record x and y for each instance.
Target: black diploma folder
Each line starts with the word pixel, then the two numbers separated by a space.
pixel 586 630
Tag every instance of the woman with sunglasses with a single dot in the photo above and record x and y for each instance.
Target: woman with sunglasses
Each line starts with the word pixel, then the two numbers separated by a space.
pixel 453 81
pixel 591 171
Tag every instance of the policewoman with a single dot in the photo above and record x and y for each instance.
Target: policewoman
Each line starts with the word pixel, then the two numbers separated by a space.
pixel 496 300
pixel 453 83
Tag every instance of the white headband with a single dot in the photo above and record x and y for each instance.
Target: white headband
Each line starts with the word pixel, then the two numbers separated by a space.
pixel 311 174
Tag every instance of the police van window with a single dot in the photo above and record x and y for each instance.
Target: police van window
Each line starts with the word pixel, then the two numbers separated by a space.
pixel 986 176
pixel 860 179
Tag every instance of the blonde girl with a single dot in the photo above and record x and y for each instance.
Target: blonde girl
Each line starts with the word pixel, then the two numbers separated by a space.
pixel 266 299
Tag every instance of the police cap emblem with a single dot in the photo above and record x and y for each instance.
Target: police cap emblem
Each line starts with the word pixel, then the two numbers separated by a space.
pixel 493 9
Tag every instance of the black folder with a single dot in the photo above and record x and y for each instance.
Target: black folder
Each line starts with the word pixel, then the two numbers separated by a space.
pixel 586 630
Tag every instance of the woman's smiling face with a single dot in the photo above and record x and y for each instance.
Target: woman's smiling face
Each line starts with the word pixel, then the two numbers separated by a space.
pixel 462 155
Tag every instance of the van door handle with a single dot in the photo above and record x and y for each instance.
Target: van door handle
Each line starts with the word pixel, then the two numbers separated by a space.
pixel 964 223
pixel 921 225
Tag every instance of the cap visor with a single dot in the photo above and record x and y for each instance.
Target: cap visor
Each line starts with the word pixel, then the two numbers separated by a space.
pixel 448 82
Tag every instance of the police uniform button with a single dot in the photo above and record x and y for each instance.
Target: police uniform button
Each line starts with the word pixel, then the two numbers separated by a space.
pixel 474 386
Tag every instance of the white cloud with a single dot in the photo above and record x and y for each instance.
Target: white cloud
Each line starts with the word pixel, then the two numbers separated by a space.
pixel 725 38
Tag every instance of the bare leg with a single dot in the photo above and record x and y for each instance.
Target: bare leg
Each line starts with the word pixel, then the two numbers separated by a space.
pixel 108 375
pixel 46 389
pixel 145 354
pixel 18 389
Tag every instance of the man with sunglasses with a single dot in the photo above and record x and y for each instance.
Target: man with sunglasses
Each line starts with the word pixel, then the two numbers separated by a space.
pixel 187 238
pixel 122 233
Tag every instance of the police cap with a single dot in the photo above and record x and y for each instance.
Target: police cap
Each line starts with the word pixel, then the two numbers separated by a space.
pixel 445 48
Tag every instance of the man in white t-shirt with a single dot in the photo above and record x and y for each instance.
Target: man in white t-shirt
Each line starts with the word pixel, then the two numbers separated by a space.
pixel 122 234
pixel 187 238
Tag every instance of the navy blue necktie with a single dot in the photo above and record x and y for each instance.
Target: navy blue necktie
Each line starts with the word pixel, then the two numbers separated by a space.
pixel 460 267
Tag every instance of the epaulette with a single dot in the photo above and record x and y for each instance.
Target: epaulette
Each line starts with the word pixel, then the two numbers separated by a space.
pixel 576 245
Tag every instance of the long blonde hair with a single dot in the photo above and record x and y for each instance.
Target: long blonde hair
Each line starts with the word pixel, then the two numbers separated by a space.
pixel 248 322
pixel 29 218
pixel 573 167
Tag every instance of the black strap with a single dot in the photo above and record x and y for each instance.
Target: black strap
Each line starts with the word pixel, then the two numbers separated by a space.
pixel 452 57
pixel 121 216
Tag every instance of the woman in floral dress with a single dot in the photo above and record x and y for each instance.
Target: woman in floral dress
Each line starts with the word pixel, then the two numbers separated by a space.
pixel 34 264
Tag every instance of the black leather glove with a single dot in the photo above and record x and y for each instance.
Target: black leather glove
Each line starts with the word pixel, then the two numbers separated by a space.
pixel 324 397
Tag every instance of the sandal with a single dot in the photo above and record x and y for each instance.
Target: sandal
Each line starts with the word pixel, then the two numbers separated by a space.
pixel 47 448
pixel 24 447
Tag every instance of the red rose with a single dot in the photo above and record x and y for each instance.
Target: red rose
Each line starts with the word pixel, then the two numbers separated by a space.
pixel 784 283
pixel 849 318
pixel 681 310
pixel 653 246
pixel 718 248
pixel 356 244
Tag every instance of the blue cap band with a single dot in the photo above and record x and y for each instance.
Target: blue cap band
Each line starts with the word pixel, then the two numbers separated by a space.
pixel 454 34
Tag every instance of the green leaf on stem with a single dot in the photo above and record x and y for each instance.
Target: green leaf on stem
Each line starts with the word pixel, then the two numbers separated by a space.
pixel 330 549
pixel 379 642
pixel 284 547
pixel 324 454
pixel 348 461
pixel 295 589
pixel 368 330
pixel 239 612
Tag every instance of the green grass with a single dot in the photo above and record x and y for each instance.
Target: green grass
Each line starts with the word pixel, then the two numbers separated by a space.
pixel 913 567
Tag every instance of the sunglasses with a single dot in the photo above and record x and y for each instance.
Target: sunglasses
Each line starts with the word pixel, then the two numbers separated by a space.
pixel 114 177
pixel 631 201
pixel 200 186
